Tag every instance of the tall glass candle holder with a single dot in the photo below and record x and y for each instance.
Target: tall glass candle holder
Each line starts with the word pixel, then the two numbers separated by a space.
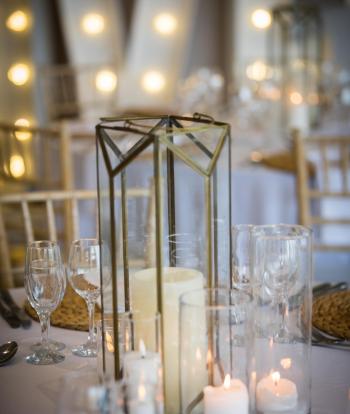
pixel 215 338
pixel 282 280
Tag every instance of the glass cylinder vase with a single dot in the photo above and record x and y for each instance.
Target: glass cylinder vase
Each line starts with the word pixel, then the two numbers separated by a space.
pixel 215 338
pixel 282 279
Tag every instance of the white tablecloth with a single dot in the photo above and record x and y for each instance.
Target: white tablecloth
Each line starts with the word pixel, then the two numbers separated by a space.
pixel 25 388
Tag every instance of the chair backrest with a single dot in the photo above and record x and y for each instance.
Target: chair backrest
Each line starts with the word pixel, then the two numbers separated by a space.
pixel 51 215
pixel 324 200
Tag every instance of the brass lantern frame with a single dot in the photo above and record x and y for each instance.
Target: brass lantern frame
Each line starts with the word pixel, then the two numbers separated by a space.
pixel 149 136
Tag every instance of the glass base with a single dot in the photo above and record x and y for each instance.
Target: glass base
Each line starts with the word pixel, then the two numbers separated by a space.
pixel 53 345
pixel 86 350
pixel 45 358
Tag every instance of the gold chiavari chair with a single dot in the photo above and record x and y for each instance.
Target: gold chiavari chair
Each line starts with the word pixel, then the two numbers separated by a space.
pixel 324 201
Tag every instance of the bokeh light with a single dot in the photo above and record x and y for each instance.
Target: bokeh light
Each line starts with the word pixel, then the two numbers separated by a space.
pixel 258 71
pixel 106 81
pixel 19 74
pixel 165 23
pixel 23 135
pixel 296 98
pixel 18 21
pixel 153 81
pixel 17 168
pixel 261 18
pixel 93 23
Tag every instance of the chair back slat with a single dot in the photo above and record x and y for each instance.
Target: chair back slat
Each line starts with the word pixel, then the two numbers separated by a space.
pixel 51 220
pixel 27 222
pixel 75 219
pixel 7 281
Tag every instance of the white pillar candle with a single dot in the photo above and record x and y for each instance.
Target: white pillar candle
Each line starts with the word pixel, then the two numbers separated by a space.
pixel 276 394
pixel 144 299
pixel 229 398
pixel 142 365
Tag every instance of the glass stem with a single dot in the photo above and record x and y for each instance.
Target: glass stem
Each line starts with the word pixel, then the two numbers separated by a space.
pixel 44 324
pixel 91 310
pixel 284 311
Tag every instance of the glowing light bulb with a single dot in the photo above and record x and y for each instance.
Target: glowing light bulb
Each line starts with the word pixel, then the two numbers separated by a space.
pixel 258 71
pixel 153 81
pixel 18 21
pixel 23 135
pixel 227 381
pixel 17 168
pixel 19 74
pixel 165 23
pixel 93 23
pixel 296 98
pixel 106 81
pixel 261 18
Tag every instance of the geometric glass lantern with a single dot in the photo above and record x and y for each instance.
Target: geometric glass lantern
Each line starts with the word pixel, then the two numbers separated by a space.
pixel 297 50
pixel 165 215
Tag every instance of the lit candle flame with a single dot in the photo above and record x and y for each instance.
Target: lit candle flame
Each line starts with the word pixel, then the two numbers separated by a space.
pixel 209 357
pixel 142 348
pixel 227 382
pixel 109 342
pixel 276 377
pixel 198 355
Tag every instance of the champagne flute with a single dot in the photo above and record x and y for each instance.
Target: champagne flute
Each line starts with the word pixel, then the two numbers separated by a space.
pixel 84 277
pixel 45 285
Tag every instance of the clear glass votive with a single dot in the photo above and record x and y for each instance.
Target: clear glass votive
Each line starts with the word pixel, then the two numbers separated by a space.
pixel 139 348
pixel 215 338
pixel 282 289
pixel 82 392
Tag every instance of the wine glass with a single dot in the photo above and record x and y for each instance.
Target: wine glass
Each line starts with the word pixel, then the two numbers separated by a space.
pixel 84 277
pixel 55 345
pixel 277 263
pixel 44 285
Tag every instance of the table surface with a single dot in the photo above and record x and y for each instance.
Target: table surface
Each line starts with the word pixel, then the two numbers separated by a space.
pixel 34 389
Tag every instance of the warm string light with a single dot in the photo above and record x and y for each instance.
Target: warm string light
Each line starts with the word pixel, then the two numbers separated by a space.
pixel 153 81
pixel 93 23
pixel 106 81
pixel 17 167
pixel 18 21
pixel 261 18
pixel 165 24
pixel 19 74
pixel 22 135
